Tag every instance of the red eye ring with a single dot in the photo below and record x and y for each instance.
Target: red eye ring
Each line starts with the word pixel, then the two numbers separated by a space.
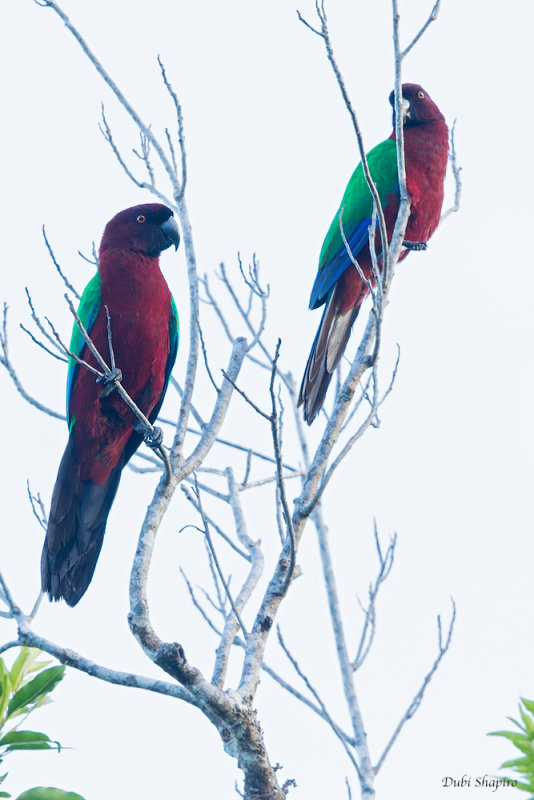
pixel 421 95
pixel 141 218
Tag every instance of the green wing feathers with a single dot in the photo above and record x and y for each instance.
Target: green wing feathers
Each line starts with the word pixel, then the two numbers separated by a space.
pixel 88 309
pixel 357 202
pixel 174 337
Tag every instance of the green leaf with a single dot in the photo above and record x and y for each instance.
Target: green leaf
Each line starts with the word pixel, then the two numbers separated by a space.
pixel 28 740
pixel 42 793
pixel 525 787
pixel 42 684
pixel 5 688
pixel 529 704
pixel 33 746
pixel 521 741
pixel 517 724
pixel 12 737
pixel 18 666
pixel 5 794
pixel 41 701
pixel 521 764
pixel 528 723
pixel 26 663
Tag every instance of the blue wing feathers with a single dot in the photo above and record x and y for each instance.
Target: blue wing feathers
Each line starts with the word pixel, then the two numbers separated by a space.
pixel 328 275
pixel 357 207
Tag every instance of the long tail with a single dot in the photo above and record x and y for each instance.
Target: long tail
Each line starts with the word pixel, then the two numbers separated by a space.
pixel 328 347
pixel 76 526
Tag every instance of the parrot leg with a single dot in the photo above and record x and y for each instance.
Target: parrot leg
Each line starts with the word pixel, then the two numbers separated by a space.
pixel 415 245
pixel 109 381
pixel 154 440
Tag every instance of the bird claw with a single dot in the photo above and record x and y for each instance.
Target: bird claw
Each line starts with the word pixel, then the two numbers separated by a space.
pixel 415 245
pixel 109 381
pixel 154 439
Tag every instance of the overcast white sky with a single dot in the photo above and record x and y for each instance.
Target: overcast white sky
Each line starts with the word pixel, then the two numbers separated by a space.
pixel 270 149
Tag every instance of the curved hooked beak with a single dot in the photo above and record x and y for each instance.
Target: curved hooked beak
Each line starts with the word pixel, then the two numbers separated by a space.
pixel 405 107
pixel 170 230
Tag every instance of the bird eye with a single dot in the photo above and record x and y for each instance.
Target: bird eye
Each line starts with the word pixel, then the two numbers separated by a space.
pixel 421 95
pixel 141 218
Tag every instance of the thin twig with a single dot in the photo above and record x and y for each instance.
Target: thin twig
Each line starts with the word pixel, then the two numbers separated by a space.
pixel 110 340
pixel 205 524
pixel 456 170
pixel 41 345
pixel 353 259
pixel 181 136
pixel 254 574
pixel 326 715
pixel 277 447
pixel 205 356
pixel 93 261
pixel 194 502
pixel 36 606
pixel 432 18
pixel 64 278
pixel 392 381
pixel 212 302
pixel 38 322
pixel 386 563
pixel 197 605
pixel 418 698
pixel 37 502
pixel 6 362
pixel 247 399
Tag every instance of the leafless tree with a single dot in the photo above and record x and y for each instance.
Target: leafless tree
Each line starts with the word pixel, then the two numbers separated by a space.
pixel 204 463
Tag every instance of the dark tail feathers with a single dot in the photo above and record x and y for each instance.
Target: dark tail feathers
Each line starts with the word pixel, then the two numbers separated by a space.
pixel 76 526
pixel 327 349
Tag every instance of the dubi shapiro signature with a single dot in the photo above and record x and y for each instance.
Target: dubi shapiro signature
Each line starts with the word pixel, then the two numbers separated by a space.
pixel 477 782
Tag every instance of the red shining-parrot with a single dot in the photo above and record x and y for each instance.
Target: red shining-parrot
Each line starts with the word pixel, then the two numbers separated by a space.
pixel 103 431
pixel 338 283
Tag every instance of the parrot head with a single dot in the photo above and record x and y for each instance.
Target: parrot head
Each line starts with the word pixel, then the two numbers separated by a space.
pixel 148 229
pixel 418 107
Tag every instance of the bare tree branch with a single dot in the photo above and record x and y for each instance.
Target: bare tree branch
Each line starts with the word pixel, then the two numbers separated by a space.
pixel 432 18
pixel 252 580
pixel 70 658
pixel 365 769
pixel 456 172
pixel 443 646
pixel 6 362
pixel 216 560
pixel 37 507
pixel 180 130
pixel 41 328
pixel 325 714
pixel 62 275
pixel 369 625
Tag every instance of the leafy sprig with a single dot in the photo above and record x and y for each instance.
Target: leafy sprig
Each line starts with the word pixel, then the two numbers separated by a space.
pixel 523 740
pixel 24 688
